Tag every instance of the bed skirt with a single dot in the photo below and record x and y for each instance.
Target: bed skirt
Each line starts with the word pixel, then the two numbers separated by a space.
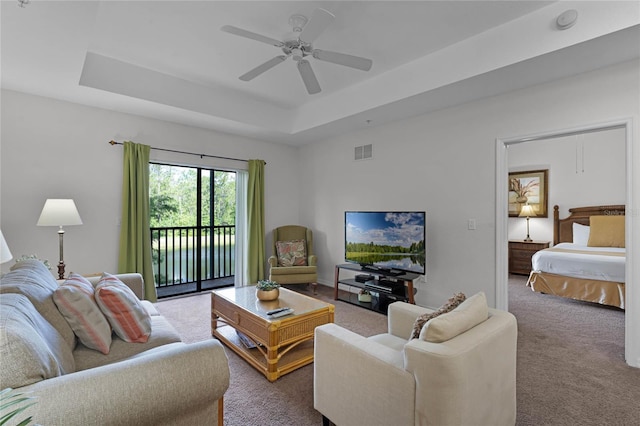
pixel 603 292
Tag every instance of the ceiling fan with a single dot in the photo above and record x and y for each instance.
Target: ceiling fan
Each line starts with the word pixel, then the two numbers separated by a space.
pixel 299 46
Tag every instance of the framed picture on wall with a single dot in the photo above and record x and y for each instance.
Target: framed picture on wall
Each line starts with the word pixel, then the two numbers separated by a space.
pixel 528 187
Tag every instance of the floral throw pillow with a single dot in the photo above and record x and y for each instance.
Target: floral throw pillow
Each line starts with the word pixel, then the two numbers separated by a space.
pixel 291 253
pixel 451 304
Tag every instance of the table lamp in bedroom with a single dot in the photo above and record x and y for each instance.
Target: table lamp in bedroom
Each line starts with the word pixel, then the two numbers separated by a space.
pixel 527 211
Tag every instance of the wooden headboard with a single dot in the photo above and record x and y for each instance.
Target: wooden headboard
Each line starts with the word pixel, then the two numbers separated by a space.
pixel 563 228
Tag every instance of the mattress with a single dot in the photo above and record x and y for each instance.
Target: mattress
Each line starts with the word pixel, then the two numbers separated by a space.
pixel 593 263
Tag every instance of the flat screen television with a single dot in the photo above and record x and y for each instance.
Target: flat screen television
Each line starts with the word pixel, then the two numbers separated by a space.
pixel 389 242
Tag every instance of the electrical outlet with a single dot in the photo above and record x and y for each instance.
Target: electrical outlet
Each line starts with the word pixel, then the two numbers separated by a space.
pixel 471 224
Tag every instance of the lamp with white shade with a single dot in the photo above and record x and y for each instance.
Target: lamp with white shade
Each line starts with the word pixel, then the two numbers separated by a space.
pixel 5 253
pixel 59 212
pixel 527 211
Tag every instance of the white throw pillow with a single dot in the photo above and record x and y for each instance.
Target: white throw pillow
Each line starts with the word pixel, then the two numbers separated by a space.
pixel 467 315
pixel 580 234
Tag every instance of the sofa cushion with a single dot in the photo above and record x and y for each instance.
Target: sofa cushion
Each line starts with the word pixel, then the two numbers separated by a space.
pixel 75 300
pixel 162 333
pixel 32 279
pixel 127 316
pixel 31 349
pixel 467 315
pixel 450 304
pixel 291 253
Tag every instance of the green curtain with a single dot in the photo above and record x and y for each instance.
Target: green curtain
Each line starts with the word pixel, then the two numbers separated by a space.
pixel 135 235
pixel 255 222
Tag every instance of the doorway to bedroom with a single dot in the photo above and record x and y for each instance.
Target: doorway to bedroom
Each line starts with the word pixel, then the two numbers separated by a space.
pixel 620 132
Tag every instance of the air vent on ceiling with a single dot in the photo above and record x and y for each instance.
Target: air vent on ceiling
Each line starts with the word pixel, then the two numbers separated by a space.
pixel 363 152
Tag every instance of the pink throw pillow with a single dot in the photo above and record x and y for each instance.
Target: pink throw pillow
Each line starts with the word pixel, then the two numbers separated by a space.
pixel 127 316
pixel 76 302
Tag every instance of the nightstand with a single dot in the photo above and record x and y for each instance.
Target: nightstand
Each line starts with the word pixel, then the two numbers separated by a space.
pixel 520 253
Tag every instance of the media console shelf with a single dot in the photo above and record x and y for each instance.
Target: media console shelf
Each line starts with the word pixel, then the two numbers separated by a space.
pixel 377 287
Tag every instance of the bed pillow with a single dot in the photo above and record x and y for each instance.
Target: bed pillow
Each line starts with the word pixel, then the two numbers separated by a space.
pixel 291 253
pixel 126 314
pixel 75 300
pixel 450 305
pixel 606 231
pixel 580 234
pixel 467 315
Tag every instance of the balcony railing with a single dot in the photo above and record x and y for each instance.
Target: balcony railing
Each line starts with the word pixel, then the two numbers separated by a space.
pixel 175 252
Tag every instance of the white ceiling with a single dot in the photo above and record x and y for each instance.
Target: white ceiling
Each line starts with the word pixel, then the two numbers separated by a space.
pixel 169 59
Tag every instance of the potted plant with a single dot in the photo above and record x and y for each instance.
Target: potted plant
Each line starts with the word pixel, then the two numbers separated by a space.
pixel 364 296
pixel 267 290
pixel 17 402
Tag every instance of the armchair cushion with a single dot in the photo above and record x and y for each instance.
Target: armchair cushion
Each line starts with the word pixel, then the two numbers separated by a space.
pixel 451 304
pixel 291 253
pixel 467 315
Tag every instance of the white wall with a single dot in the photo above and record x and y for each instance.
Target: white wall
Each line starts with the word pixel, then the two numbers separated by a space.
pixel 55 149
pixel 444 163
pixel 584 170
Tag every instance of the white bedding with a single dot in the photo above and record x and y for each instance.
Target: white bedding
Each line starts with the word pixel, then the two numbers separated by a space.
pixel 575 263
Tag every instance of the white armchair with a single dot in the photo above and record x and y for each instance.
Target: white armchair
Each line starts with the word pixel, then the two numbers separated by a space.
pixel 469 379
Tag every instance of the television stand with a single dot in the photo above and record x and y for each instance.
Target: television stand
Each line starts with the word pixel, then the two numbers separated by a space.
pixel 386 287
pixel 381 271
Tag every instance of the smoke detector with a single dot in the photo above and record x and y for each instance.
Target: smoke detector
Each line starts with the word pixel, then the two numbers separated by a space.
pixel 567 19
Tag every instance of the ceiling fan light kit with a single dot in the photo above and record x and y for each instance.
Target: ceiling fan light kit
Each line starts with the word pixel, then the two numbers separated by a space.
pixel 299 47
pixel 298 22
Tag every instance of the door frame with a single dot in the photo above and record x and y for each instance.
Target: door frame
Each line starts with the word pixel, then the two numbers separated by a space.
pixel 632 293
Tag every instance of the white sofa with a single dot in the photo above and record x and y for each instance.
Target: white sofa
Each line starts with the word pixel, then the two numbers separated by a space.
pixel 389 379
pixel 160 382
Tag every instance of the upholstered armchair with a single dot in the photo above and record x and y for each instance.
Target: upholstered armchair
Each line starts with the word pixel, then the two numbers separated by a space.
pixel 293 261
pixel 454 373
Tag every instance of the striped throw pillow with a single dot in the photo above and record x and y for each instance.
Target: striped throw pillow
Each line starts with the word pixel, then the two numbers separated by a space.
pixel 76 302
pixel 128 317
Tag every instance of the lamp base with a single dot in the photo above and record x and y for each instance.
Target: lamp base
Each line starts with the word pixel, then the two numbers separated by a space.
pixel 61 270
pixel 528 240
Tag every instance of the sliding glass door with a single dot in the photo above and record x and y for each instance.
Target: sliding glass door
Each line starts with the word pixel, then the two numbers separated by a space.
pixel 192 228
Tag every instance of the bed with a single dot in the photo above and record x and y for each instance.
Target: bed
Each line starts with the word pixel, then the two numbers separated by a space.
pixel 587 260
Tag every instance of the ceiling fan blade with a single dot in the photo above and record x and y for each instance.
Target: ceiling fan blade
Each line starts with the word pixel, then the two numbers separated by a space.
pixel 262 68
pixel 320 20
pixel 363 64
pixel 253 36
pixel 308 77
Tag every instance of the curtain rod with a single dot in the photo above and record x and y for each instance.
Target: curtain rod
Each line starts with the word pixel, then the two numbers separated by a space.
pixel 189 153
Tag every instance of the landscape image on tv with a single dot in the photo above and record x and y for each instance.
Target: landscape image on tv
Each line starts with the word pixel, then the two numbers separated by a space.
pixel 389 240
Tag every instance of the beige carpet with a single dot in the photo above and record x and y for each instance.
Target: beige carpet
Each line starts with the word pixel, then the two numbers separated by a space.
pixel 571 368
pixel 251 398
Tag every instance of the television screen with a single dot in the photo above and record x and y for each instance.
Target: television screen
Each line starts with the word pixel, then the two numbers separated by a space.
pixel 389 241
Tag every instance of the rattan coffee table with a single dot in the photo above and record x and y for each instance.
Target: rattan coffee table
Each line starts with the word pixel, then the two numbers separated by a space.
pixel 283 344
